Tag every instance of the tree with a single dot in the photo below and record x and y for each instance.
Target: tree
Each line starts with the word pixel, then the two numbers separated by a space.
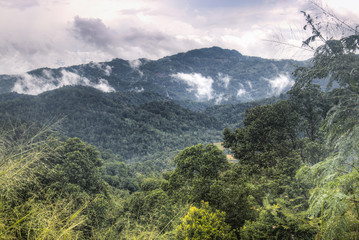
pixel 76 166
pixel 197 167
pixel 204 224
pixel 333 199
pixel 312 106
pixel 269 135
pixel 201 161
pixel 279 220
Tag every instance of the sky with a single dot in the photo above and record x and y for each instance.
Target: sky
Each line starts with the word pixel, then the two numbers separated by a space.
pixel 56 33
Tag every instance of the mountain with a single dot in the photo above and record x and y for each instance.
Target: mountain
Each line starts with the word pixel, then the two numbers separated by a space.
pixel 144 107
pixel 209 75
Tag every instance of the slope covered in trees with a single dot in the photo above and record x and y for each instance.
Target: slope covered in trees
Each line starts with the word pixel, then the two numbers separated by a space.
pixel 131 124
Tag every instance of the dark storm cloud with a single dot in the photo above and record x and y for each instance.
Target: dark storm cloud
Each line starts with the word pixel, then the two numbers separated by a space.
pixel 93 31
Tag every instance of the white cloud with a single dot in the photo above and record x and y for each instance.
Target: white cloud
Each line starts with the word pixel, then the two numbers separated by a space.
pixel 241 92
pixel 102 85
pixel 32 85
pixel 135 64
pixel 220 98
pixel 43 33
pixel 280 83
pixel 224 78
pixel 107 70
pixel 197 83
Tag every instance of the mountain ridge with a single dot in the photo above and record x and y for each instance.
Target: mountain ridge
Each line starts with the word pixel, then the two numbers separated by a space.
pixel 213 75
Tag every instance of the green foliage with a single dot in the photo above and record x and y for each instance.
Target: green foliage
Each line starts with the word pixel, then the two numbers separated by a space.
pixel 202 174
pixel 281 220
pixel 75 163
pixel 28 209
pixel 203 223
pixel 312 105
pixel 200 162
pixel 197 167
pixel 119 175
pixel 154 209
pixel 333 198
pixel 234 197
pixel 269 136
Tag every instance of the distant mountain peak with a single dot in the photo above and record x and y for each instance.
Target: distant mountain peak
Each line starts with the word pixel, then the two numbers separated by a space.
pixel 211 52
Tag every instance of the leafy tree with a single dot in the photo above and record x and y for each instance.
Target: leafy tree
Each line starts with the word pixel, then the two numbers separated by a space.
pixel 267 149
pixel 231 195
pixel 203 223
pixel 34 203
pixel 197 167
pixel 268 136
pixel 312 106
pixel 119 175
pixel 75 165
pixel 152 208
pixel 333 199
pixel 201 161
pixel 281 220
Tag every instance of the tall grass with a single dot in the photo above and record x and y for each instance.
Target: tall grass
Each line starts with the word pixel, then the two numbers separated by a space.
pixel 31 209
pixel 28 210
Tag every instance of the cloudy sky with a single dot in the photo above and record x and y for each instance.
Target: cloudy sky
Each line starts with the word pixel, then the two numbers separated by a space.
pixel 54 33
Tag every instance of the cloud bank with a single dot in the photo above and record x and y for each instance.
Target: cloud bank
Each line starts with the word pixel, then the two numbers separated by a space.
pixel 224 79
pixel 280 83
pixel 202 86
pixel 94 32
pixel 42 33
pixel 32 85
pixel 241 92
pixel 58 33
pixel 107 70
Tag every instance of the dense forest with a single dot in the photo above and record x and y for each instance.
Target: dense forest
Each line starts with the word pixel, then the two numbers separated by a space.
pixel 132 124
pixel 295 174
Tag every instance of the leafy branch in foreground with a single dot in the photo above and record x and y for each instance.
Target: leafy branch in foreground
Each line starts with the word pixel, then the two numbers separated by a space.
pixel 333 200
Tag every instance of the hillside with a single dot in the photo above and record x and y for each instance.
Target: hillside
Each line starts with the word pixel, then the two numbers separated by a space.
pixel 131 124
pixel 208 75
pixel 139 108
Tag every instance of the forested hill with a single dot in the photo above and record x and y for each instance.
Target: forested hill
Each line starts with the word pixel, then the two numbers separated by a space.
pixel 132 124
pixel 211 75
